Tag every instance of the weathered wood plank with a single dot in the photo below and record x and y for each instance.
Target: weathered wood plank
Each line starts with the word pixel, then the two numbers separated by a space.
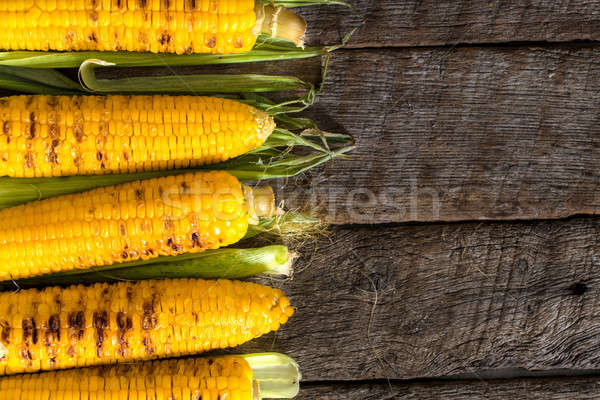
pixel 459 134
pixel 517 389
pixel 433 22
pixel 444 299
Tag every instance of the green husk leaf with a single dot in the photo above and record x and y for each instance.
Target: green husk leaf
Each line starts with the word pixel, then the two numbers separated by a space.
pixel 197 84
pixel 48 77
pixel 266 49
pixel 278 375
pixel 269 161
pixel 226 263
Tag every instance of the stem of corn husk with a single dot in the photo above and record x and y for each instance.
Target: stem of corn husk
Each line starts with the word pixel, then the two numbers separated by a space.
pixel 277 376
pixel 196 84
pixel 226 263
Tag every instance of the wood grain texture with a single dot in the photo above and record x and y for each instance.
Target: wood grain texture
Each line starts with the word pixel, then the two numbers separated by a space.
pixel 517 389
pixel 389 23
pixel 444 299
pixel 459 134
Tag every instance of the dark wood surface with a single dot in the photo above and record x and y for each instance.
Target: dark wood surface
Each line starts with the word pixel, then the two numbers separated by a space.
pixel 517 389
pixel 407 23
pixel 425 301
pixel 465 133
pixel 462 111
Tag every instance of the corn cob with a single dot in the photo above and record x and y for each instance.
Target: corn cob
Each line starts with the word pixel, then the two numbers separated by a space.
pixel 158 26
pixel 45 136
pixel 215 378
pixel 177 214
pixel 78 326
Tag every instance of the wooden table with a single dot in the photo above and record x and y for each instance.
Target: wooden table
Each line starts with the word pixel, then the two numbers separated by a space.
pixel 464 241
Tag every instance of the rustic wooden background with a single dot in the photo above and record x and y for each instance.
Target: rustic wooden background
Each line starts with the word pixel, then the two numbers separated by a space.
pixel 465 244
pixel 465 239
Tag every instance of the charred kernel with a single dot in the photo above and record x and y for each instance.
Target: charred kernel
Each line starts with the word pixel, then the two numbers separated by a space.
pixel 124 336
pixel 145 226
pixel 104 129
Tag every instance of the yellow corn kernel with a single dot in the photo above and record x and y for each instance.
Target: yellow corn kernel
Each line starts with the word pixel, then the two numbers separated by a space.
pixel 157 26
pixel 67 137
pixel 107 225
pixel 167 379
pixel 58 328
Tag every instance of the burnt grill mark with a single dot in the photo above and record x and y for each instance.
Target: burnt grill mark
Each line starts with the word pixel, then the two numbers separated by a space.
pixel 238 43
pixel 149 321
pixel 99 156
pixel 149 349
pixel 122 229
pixel 168 225
pixel 29 101
pixel 139 195
pixel 32 125
pixel 52 131
pixel 6 127
pixel 161 191
pixel 124 255
pixel 196 240
pixel 126 156
pixel 5 334
pixel 189 50
pixel 76 322
pixel 78 133
pixel 100 324
pixel 77 161
pixel 167 4
pixel 29 330
pixel 192 4
pixel 142 3
pixel 51 156
pixel 54 325
pixel 102 166
pixel 52 101
pixel 212 42
pixel 210 361
pixel 165 38
pixel 28 160
pixel 26 354
pixel 119 3
pixel 185 187
pixel 171 243
pixel 124 324
pixel 92 37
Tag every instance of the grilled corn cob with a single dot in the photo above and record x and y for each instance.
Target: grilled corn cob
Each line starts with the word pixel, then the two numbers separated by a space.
pixel 44 136
pixel 60 328
pixel 214 378
pixel 158 26
pixel 185 213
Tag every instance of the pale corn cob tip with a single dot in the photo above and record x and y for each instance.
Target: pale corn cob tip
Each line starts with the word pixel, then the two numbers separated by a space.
pixel 78 326
pixel 176 214
pixel 42 136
